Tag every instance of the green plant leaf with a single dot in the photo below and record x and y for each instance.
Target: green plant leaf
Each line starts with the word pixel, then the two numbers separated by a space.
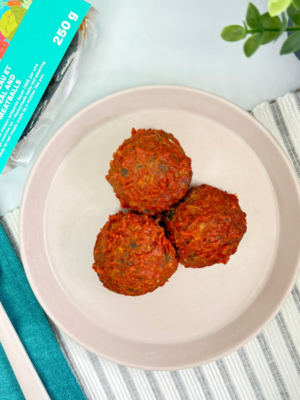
pixel 291 44
pixel 253 43
pixel 253 17
pixel 296 4
pixel 270 22
pixel 233 33
pixel 284 24
pixel 277 7
pixel 294 14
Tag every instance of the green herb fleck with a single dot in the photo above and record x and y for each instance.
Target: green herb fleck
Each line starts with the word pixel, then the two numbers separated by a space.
pixel 168 257
pixel 162 167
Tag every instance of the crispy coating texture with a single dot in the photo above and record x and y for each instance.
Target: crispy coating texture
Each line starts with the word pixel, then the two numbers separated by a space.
pixel 132 255
pixel 150 171
pixel 206 227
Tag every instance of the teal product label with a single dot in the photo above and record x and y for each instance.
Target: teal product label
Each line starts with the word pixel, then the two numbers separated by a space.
pixel 34 36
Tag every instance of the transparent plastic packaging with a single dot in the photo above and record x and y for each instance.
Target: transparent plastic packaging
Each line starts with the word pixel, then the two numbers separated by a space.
pixel 56 93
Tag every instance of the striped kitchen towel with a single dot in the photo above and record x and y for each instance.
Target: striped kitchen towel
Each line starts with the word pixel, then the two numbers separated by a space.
pixel 268 367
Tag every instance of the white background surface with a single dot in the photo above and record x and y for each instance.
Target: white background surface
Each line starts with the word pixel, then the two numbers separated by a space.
pixel 170 42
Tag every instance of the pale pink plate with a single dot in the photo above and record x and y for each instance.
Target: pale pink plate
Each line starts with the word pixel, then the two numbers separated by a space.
pixel 199 315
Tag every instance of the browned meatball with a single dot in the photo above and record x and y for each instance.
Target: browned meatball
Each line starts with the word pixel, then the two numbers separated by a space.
pixel 206 227
pixel 150 171
pixel 132 255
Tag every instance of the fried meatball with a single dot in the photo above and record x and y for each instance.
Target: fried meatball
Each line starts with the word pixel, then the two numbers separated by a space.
pixel 206 227
pixel 150 171
pixel 132 255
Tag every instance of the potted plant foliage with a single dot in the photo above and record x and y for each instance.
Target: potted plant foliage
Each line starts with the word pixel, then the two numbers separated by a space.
pixel 260 29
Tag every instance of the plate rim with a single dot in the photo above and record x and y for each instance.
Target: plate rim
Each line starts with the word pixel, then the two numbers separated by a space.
pixel 35 289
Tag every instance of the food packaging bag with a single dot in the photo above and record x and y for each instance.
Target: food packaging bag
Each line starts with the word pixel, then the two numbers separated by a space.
pixel 36 76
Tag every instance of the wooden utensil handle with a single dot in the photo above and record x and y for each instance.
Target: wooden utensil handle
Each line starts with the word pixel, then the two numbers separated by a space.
pixel 25 373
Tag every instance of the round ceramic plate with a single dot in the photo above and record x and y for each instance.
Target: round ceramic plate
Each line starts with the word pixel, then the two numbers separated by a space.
pixel 199 315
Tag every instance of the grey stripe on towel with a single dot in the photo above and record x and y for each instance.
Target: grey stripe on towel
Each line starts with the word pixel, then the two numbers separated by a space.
pixel 156 389
pixel 296 297
pixel 227 380
pixel 101 376
pixel 251 374
pixel 200 375
pixel 134 394
pixel 288 341
pixel 273 366
pixel 179 385
pixel 288 143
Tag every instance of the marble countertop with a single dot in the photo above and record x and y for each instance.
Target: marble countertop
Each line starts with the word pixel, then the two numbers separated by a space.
pixel 169 42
